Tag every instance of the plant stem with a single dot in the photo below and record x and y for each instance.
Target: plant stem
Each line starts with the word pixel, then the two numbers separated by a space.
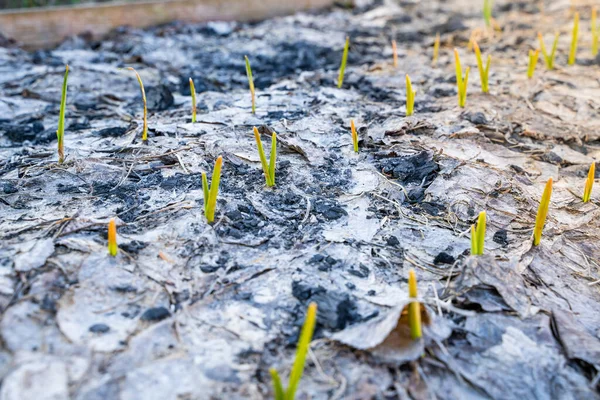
pixel 303 344
pixel 483 72
pixel 395 53
pixel 410 97
pixel 250 84
pixel 214 190
pixel 343 64
pixel 354 135
pixel 589 183
pixel 112 238
pixel 533 59
pixel 542 212
pixel 60 133
pixel 414 308
pixel 574 37
pixel 436 49
pixel 193 92
pixel 145 128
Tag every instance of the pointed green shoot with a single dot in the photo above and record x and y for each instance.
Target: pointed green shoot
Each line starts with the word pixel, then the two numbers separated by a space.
pixel 303 343
pixel 210 195
pixel 112 238
pixel 193 92
pixel 277 386
pixel 414 308
pixel 60 133
pixel 574 37
pixel 436 49
pixel 461 83
pixel 484 73
pixel 205 189
pixel 478 235
pixel 549 58
pixel 589 183
pixel 542 213
pixel 533 59
pixel 594 32
pixel 354 135
pixel 145 128
pixel 343 64
pixel 487 12
pixel 250 84
pixel 268 169
pixel 410 97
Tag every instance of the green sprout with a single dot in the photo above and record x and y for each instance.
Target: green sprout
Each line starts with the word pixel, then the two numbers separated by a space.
pixel 414 307
pixel 343 65
pixel 533 59
pixel 478 235
pixel 193 92
pixel 436 48
pixel 575 35
pixel 354 135
pixel 145 129
pixel 410 97
pixel 60 133
pixel 548 58
pixel 542 212
pixel 268 169
pixel 461 83
pixel 251 84
pixel 302 349
pixel 112 238
pixel 487 12
pixel 210 195
pixel 484 73
pixel 589 183
pixel 594 32
pixel 395 53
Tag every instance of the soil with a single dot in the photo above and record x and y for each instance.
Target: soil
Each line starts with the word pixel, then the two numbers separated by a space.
pixel 191 310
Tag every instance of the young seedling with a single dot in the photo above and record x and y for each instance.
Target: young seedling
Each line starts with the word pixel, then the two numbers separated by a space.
pixel 410 97
pixel 112 238
pixel 343 64
pixel 250 84
pixel 589 183
pixel 484 73
pixel 302 349
pixel 548 58
pixel 268 169
pixel 414 308
pixel 487 12
pixel 210 194
pixel 478 235
pixel 395 53
pixel 461 83
pixel 533 59
pixel 60 133
pixel 574 36
pixel 354 135
pixel 145 128
pixel 193 92
pixel 594 32
pixel 542 212
pixel 436 49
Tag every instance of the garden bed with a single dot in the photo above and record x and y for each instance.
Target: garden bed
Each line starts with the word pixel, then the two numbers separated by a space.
pixel 191 310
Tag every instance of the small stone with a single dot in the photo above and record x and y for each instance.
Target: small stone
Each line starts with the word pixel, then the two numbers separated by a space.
pixel 99 328
pixel 155 314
